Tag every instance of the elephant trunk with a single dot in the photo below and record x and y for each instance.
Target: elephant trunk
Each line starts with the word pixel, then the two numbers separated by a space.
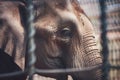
pixel 84 54
pixel 91 54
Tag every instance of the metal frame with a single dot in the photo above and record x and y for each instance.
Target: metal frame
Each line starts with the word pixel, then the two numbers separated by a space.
pixel 31 70
pixel 105 51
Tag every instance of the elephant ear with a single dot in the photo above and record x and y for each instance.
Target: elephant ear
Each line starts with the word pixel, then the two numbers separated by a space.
pixel 12 38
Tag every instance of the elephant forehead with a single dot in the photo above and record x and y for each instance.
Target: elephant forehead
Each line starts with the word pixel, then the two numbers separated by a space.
pixel 51 16
pixel 48 22
pixel 52 23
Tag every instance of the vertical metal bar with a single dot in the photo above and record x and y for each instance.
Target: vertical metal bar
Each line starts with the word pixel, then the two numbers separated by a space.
pixel 105 51
pixel 30 42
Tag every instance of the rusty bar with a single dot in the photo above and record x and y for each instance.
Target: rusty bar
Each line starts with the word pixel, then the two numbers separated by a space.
pixel 105 51
pixel 30 39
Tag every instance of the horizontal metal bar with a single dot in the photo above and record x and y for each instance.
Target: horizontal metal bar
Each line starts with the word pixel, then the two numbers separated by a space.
pixel 113 29
pixel 12 74
pixel 113 8
pixel 69 70
pixel 115 67
pixel 54 71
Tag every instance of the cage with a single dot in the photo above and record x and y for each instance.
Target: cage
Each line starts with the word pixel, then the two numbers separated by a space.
pixel 109 12
pixel 112 10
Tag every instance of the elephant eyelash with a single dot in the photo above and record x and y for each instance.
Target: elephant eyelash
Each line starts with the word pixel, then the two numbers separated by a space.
pixel 67 28
pixel 63 35
pixel 65 32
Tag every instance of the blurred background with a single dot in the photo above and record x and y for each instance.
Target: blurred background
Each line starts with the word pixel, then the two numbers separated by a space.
pixel 92 9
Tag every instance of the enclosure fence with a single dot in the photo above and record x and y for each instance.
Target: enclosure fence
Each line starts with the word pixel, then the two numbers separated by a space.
pixel 105 16
pixel 108 20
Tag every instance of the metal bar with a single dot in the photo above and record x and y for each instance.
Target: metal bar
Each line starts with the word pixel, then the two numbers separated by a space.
pixel 69 70
pixel 115 67
pixel 54 71
pixel 30 40
pixel 12 74
pixel 105 51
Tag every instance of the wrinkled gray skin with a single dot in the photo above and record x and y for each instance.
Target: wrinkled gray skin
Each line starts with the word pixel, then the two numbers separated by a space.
pixel 64 37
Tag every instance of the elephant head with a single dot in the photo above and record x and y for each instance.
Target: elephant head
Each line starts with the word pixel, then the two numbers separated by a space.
pixel 65 38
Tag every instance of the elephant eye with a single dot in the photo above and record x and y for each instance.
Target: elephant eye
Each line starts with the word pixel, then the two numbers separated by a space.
pixel 65 33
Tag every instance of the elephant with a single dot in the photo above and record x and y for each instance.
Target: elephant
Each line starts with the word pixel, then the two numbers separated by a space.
pixel 11 40
pixel 64 38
